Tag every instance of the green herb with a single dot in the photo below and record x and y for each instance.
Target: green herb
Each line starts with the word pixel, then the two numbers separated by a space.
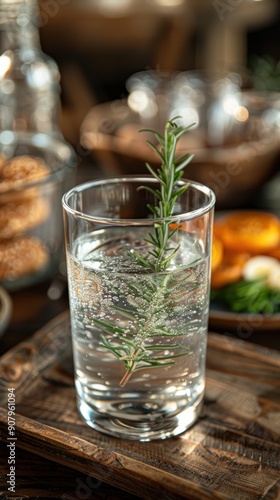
pixel 155 294
pixel 265 73
pixel 168 176
pixel 248 296
pixel 148 317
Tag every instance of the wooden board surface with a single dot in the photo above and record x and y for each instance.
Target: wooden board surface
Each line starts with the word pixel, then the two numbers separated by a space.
pixel 232 452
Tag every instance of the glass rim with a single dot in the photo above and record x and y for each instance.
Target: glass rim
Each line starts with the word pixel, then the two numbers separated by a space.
pixel 192 214
pixel 56 146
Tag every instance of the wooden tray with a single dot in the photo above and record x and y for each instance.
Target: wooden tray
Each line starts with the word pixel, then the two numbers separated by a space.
pixel 232 452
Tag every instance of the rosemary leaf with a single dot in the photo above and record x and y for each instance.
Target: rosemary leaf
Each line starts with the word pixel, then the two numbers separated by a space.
pixel 151 170
pixel 184 162
pixel 157 151
pixel 108 327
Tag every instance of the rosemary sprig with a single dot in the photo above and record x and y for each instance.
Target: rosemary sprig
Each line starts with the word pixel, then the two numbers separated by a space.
pixel 148 317
pixel 155 295
pixel 168 176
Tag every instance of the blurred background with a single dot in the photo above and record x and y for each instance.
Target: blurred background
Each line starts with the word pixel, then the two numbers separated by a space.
pixel 97 71
pixel 98 44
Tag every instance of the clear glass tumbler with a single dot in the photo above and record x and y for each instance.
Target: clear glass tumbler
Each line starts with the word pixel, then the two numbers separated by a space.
pixel 139 332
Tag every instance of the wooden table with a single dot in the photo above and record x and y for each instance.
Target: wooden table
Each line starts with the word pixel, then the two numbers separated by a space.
pixel 232 452
pixel 37 477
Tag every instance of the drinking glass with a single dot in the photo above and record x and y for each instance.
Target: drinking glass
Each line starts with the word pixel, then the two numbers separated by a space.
pixel 139 334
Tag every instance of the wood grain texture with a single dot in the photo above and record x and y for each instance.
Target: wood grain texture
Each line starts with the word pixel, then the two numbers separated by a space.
pixel 232 452
pixel 39 479
pixel 21 365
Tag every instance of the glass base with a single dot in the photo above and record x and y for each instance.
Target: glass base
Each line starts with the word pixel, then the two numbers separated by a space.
pixel 162 428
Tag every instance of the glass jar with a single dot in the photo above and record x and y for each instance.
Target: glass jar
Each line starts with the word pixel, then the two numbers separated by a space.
pixel 35 171
pixel 29 79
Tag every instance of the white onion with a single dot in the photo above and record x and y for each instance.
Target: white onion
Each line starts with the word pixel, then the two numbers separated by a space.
pixel 264 267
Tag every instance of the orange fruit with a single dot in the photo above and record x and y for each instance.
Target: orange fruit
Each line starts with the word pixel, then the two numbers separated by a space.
pixel 225 274
pixel 190 226
pixel 217 252
pixel 249 231
pixel 275 252
pixel 229 270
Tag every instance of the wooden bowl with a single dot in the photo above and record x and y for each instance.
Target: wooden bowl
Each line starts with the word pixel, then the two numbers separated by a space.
pixel 234 170
pixel 5 309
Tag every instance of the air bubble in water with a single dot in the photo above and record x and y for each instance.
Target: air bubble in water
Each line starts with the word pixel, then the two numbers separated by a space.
pixel 150 406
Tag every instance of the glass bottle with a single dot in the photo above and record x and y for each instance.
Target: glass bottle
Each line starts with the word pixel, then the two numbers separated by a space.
pixel 29 79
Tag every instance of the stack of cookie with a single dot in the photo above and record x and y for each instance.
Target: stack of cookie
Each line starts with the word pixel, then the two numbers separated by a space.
pixel 22 209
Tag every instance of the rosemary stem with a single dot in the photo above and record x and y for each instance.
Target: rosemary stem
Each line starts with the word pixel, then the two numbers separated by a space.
pixel 125 378
pixel 146 330
pixel 129 371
